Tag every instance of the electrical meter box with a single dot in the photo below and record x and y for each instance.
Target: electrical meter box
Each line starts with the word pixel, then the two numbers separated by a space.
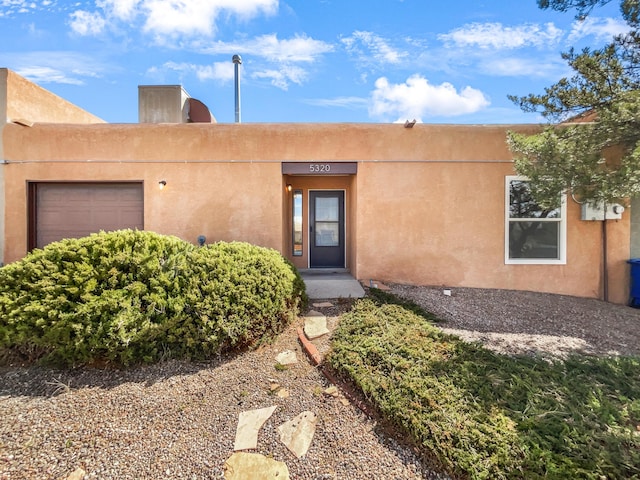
pixel 592 212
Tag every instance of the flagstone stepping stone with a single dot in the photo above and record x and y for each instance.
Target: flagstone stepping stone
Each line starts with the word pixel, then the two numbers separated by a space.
pixel 283 393
pixel 315 325
pixel 249 424
pixel 253 466
pixel 78 474
pixel 288 357
pixel 298 433
pixel 332 391
pixel 323 305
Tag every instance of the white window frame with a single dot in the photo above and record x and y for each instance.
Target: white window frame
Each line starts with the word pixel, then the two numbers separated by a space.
pixel 562 247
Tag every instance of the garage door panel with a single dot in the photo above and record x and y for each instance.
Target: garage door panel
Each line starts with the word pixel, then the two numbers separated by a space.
pixel 77 210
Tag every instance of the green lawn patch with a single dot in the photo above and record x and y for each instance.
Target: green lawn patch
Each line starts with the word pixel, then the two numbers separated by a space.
pixel 489 416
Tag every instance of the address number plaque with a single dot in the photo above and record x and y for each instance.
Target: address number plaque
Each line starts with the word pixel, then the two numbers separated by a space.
pixel 319 168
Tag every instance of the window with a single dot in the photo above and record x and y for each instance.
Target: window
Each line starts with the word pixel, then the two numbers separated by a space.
pixel 533 235
pixel 297 223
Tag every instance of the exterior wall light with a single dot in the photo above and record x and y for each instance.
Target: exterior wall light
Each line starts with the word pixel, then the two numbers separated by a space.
pixel 289 187
pixel 162 184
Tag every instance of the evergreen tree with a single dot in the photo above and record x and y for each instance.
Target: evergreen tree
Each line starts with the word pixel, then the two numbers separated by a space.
pixel 591 147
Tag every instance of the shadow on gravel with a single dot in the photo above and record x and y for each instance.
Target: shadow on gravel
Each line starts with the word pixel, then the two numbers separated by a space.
pixel 604 328
pixel 40 381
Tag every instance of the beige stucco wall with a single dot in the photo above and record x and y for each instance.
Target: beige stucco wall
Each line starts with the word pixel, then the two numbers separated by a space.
pixel 199 199
pixel 24 101
pixel 21 100
pixel 426 207
pixel 451 217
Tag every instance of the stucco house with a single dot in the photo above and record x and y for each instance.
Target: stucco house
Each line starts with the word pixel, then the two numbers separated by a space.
pixel 420 204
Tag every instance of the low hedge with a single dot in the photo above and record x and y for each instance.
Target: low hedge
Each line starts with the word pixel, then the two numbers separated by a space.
pixel 130 296
pixel 397 359
pixel 489 416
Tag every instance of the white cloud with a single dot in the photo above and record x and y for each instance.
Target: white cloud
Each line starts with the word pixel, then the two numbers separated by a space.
pixel 174 18
pixel 498 36
pixel 275 59
pixel 603 29
pixel 522 67
pixel 55 66
pixel 8 8
pixel 368 47
pixel 42 75
pixel 86 23
pixel 180 18
pixel 340 102
pixel 297 49
pixel 417 98
pixel 281 56
pixel 351 103
pixel 283 76
pixel 120 9
pixel 220 71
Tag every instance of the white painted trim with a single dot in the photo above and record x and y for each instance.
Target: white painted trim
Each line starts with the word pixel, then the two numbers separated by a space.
pixel 562 260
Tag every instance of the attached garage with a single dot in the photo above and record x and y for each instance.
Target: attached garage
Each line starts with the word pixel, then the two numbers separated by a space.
pixel 72 210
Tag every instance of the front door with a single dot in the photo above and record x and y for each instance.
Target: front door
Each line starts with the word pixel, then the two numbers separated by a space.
pixel 326 229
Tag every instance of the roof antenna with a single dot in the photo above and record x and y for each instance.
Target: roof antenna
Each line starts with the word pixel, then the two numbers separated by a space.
pixel 237 61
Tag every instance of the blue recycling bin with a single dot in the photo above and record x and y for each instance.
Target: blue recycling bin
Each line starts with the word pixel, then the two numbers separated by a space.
pixel 634 296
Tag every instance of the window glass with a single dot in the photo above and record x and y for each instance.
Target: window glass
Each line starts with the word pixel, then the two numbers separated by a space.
pixel 533 234
pixel 534 240
pixel 327 209
pixel 522 205
pixel 327 234
pixel 297 223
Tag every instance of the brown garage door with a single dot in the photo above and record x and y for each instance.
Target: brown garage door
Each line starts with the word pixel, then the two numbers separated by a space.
pixel 72 210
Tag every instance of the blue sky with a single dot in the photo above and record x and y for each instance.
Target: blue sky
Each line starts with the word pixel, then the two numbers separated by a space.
pixel 303 60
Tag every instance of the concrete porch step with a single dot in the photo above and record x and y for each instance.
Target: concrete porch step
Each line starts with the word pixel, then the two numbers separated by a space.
pixel 323 284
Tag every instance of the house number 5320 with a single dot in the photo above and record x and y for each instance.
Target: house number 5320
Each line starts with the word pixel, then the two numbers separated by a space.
pixel 319 168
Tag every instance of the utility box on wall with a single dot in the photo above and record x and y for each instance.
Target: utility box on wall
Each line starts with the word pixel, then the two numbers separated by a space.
pixel 592 212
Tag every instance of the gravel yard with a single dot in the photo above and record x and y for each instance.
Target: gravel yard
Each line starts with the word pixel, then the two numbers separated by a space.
pixel 178 419
pixel 516 322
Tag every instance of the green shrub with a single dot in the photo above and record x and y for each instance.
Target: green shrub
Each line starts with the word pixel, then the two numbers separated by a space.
pixel 485 415
pixel 391 354
pixel 380 297
pixel 132 296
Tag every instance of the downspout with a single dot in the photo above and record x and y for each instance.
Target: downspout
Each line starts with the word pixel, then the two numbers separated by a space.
pixel 605 265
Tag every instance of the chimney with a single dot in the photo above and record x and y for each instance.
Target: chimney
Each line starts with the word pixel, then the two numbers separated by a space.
pixel 170 104
pixel 162 104
pixel 237 61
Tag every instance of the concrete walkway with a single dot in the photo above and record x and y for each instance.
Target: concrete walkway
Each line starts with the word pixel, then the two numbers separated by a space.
pixel 331 284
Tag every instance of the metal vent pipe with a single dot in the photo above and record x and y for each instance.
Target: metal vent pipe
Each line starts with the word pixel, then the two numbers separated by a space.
pixel 237 61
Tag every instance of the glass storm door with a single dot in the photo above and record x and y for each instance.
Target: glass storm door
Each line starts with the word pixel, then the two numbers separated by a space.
pixel 326 229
